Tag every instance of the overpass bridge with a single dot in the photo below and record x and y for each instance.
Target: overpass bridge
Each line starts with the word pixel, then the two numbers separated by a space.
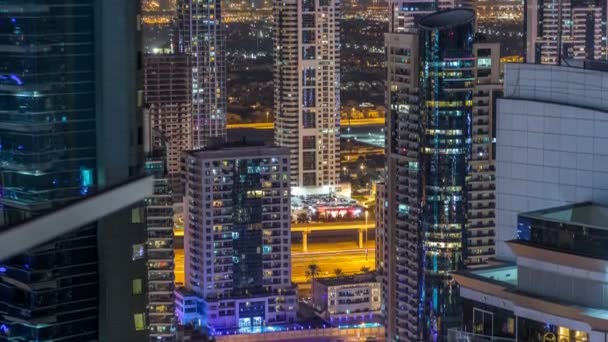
pixel 343 123
pixel 308 228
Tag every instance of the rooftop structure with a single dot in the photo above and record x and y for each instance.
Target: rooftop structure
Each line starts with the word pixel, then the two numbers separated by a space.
pixel 556 290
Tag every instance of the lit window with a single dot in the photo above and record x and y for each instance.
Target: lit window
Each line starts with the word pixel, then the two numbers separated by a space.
pixel 140 321
pixel 137 286
pixel 137 215
pixel 138 251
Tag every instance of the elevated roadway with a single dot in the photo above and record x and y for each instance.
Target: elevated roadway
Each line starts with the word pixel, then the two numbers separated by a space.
pixel 308 228
pixel 343 123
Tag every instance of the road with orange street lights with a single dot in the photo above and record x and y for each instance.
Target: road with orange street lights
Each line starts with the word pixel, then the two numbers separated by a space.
pixel 329 256
pixel 343 123
pixel 335 252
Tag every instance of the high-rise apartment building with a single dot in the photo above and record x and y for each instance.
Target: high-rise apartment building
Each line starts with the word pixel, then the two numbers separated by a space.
pixel 380 220
pixel 200 34
pixel 237 238
pixel 481 176
pixel 404 14
pixel 307 88
pixel 70 126
pixel 431 85
pixel 556 30
pixel 160 264
pixel 168 98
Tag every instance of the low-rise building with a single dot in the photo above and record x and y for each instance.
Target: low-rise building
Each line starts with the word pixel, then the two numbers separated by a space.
pixel 347 296
pixel 556 291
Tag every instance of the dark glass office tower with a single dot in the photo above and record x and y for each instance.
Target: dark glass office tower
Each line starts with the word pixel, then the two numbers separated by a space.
pixel 445 102
pixel 431 77
pixel 70 125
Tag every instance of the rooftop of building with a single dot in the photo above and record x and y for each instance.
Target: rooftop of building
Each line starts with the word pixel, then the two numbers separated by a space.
pixel 503 273
pixel 500 281
pixel 587 214
pixel 598 65
pixel 348 280
pixel 241 148
pixel 447 19
pixel 579 84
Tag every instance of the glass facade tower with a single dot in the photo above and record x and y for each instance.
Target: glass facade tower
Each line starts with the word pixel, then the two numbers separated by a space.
pixel 47 96
pixel 431 77
pixel 445 102
pixel 69 71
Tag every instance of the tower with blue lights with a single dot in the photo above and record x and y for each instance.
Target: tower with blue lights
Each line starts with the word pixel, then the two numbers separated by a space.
pixel 70 125
pixel 431 78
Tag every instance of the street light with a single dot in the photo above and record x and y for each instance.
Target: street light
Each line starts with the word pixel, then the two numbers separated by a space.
pixel 267 113
pixel 366 214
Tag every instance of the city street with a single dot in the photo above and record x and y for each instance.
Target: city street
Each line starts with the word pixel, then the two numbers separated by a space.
pixel 343 122
pixel 327 255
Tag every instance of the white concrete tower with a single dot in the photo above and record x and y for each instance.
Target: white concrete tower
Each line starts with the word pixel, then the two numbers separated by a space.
pixel 307 88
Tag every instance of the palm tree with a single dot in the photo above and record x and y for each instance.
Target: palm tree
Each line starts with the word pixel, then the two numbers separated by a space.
pixel 338 272
pixel 313 272
pixel 364 269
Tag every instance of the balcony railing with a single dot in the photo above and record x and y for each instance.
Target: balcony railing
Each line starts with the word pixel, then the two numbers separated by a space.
pixel 455 335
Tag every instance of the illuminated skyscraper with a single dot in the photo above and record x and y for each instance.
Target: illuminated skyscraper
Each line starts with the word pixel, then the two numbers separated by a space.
pixel 201 36
pixel 556 30
pixel 307 88
pixel 70 126
pixel 431 79
pixel 237 238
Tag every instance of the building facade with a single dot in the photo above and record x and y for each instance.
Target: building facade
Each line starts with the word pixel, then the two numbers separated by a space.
pixel 556 290
pixel 380 221
pixel 551 126
pixel 560 30
pixel 159 245
pixel 237 237
pixel 68 129
pixel 307 88
pixel 431 82
pixel 168 98
pixel 200 34
pixel 348 297
pixel 481 176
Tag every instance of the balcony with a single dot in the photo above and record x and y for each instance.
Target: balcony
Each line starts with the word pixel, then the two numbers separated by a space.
pixel 455 335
